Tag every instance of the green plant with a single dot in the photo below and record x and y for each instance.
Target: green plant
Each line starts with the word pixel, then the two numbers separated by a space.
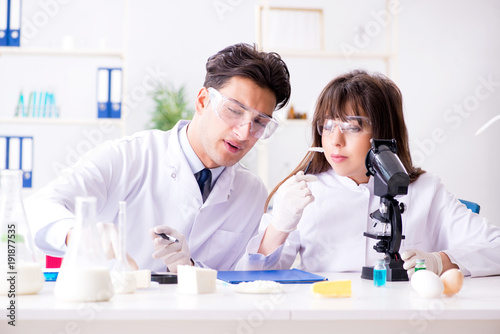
pixel 170 107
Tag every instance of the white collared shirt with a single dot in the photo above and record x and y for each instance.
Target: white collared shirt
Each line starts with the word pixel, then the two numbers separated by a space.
pixel 193 160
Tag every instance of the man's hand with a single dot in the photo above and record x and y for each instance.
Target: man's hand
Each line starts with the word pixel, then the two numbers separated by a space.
pixel 172 253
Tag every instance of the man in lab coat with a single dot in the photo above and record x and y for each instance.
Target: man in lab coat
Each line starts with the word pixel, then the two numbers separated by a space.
pixel 158 174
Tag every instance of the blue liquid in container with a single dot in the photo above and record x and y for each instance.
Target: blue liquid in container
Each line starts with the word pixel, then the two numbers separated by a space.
pixel 50 276
pixel 379 274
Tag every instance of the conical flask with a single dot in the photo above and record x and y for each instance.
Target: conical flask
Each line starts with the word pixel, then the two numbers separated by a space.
pixel 20 272
pixel 122 275
pixel 84 275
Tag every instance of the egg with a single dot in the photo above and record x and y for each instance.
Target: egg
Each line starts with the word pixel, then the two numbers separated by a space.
pixel 453 280
pixel 427 284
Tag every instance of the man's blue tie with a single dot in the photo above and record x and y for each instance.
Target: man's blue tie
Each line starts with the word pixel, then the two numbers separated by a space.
pixel 204 179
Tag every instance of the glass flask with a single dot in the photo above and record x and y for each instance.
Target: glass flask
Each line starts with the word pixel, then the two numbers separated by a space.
pixel 20 271
pixel 380 273
pixel 84 275
pixel 122 275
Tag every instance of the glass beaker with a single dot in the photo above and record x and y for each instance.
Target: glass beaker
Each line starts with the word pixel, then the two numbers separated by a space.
pixel 122 275
pixel 21 273
pixel 84 275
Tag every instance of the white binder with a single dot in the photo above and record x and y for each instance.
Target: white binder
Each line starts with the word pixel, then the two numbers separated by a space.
pixel 103 92
pixel 17 153
pixel 4 6
pixel 27 160
pixel 14 29
pixel 116 93
pixel 3 152
pixel 14 149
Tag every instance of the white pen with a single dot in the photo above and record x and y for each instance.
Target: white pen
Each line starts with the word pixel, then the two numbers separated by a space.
pixel 167 237
pixel 313 149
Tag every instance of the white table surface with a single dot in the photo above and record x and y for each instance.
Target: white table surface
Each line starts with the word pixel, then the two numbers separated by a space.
pixel 395 308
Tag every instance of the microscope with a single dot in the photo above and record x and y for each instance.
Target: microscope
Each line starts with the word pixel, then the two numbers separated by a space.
pixel 391 180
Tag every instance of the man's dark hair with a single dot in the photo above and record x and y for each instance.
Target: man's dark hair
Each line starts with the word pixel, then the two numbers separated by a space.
pixel 266 69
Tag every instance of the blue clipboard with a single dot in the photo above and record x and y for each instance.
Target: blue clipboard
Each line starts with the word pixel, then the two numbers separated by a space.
pixel 289 276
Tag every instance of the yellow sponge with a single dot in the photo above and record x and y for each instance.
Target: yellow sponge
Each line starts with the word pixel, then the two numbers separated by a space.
pixel 334 289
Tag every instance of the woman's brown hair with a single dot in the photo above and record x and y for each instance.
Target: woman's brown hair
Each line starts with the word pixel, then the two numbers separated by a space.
pixel 372 95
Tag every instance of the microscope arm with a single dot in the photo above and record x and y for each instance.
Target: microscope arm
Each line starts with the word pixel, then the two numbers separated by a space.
pixel 396 226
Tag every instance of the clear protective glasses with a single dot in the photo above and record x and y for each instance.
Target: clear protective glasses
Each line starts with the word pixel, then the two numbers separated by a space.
pixel 237 114
pixel 354 125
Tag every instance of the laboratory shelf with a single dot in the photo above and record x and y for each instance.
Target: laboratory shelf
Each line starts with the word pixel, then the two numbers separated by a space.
pixel 60 52
pixel 65 64
pixel 291 121
pixel 332 54
pixel 61 121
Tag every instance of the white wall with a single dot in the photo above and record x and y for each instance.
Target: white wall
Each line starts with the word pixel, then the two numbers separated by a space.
pixel 450 78
pixel 447 50
pixel 173 40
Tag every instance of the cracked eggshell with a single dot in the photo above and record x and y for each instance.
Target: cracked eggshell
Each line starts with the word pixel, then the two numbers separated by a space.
pixel 453 280
pixel 427 284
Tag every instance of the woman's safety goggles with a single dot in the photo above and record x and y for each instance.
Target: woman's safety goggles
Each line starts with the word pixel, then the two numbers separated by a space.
pixel 354 125
pixel 236 114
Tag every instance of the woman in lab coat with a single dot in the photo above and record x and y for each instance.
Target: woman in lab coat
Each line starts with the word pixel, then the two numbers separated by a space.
pixel 322 215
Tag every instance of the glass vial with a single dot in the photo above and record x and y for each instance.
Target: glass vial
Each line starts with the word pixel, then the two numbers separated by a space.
pixel 84 275
pixel 122 275
pixel 420 265
pixel 380 273
pixel 20 271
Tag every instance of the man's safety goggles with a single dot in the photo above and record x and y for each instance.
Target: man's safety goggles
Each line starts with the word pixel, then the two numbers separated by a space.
pixel 236 114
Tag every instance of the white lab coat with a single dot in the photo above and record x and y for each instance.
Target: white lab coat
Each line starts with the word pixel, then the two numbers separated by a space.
pixel 329 237
pixel 149 171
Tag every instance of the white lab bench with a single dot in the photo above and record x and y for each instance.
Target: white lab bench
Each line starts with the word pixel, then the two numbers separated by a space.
pixel 395 308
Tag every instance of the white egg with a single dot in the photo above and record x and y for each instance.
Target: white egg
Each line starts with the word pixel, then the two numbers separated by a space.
pixel 427 284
